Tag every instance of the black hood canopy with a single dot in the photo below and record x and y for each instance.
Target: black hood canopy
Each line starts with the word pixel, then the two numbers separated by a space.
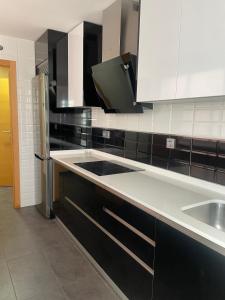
pixel 115 83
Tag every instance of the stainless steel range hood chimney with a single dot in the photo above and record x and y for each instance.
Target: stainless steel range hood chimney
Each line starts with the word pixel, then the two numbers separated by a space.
pixel 120 29
pixel 115 78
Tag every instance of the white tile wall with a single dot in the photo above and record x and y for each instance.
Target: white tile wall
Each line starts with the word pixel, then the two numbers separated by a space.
pixel 195 118
pixel 22 51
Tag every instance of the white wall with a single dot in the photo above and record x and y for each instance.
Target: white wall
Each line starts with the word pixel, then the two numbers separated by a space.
pixel 22 51
pixel 194 118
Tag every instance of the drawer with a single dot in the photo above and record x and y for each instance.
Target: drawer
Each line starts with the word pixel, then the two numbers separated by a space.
pixel 127 273
pixel 136 241
pixel 132 215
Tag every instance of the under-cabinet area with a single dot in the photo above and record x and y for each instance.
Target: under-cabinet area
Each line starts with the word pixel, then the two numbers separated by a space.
pixel 143 256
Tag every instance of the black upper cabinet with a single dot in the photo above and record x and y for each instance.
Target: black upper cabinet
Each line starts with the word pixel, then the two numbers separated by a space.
pixel 51 58
pixel 84 51
pixel 186 269
pixel 92 56
pixel 62 71
pixel 67 59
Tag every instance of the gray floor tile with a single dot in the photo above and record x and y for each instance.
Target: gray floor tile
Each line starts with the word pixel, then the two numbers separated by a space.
pixel 6 287
pixel 16 246
pixel 53 237
pixel 89 287
pixel 68 264
pixel 48 296
pixel 31 275
pixel 12 229
pixel 34 220
pixel 1 250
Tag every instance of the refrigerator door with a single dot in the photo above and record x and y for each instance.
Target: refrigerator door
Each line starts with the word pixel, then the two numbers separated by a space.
pixel 41 116
pixel 43 189
pixel 43 186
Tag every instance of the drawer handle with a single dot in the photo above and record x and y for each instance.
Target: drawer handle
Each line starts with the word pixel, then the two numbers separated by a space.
pixel 132 228
pixel 122 246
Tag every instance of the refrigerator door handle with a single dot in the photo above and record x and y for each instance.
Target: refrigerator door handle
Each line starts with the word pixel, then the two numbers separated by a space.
pixel 39 157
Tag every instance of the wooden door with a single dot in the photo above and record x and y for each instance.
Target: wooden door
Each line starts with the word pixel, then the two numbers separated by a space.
pixel 6 162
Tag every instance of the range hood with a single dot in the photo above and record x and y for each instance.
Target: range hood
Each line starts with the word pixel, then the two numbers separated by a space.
pixel 115 78
pixel 115 82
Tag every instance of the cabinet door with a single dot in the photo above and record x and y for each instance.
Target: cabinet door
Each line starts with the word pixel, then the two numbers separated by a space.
pixel 186 269
pixel 202 49
pixel 75 66
pixel 158 50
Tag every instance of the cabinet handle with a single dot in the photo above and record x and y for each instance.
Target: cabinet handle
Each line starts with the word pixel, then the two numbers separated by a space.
pixel 122 246
pixel 133 229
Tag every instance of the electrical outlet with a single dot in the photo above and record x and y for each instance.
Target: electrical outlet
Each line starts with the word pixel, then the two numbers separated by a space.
pixel 83 143
pixel 106 134
pixel 170 143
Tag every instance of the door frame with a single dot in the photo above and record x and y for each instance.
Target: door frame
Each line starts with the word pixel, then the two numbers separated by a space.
pixel 15 129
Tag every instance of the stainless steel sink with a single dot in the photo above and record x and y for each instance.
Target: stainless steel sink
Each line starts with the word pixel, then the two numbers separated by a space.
pixel 211 213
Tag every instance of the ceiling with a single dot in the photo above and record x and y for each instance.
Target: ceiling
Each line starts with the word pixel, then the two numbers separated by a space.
pixel 28 19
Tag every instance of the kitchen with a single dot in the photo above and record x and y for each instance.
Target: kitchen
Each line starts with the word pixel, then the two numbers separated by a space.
pixel 121 153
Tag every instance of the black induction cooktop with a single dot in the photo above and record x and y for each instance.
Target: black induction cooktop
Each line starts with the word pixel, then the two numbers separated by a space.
pixel 104 167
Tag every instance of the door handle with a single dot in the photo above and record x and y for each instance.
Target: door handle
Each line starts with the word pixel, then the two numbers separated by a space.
pixel 6 131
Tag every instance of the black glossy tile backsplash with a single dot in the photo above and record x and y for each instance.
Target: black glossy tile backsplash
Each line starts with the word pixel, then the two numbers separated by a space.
pixel 116 139
pixel 160 154
pixel 203 173
pixel 221 148
pixel 204 160
pixel 200 158
pixel 220 177
pixel 71 130
pixel 220 163
pixel 205 146
pixel 179 167
pixel 183 143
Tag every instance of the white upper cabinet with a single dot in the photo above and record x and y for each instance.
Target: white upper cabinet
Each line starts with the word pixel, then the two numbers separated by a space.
pixel 181 49
pixel 158 49
pixel 75 66
pixel 202 49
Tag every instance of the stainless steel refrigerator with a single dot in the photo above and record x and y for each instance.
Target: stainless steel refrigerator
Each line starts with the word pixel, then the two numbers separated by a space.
pixel 43 164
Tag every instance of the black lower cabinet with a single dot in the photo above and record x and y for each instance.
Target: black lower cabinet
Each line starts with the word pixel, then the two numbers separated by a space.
pixel 109 211
pixel 128 275
pixel 186 269
pixel 129 244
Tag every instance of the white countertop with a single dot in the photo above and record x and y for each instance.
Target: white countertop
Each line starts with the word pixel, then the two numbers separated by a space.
pixel 159 192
